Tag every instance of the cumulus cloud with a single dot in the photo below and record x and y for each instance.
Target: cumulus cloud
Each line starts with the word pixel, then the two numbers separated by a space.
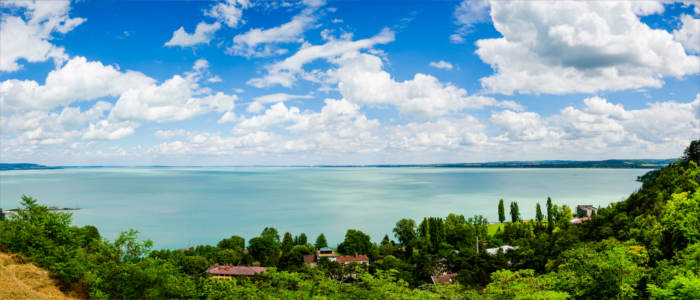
pixel 468 13
pixel 77 80
pixel 689 34
pixel 28 36
pixel 441 65
pixel 229 12
pixel 257 42
pixel 361 80
pixel 36 129
pixel 107 130
pixel 573 46
pixel 285 72
pixel 525 126
pixel 203 33
pixel 602 126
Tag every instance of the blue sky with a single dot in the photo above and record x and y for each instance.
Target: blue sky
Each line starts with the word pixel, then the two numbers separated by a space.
pixel 241 82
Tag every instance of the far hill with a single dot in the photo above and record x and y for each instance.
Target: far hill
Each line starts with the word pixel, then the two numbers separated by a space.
pixel 610 163
pixel 24 166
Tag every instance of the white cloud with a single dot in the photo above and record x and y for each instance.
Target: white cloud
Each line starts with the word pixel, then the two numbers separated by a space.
pixel 284 72
pixel 441 65
pixel 256 42
pixel 255 107
pixel 77 80
pixel 440 135
pixel 279 97
pixel 227 117
pixel 689 34
pixel 361 80
pixel 203 33
pixel 176 99
pixel 106 130
pixel 516 126
pixel 37 129
pixel 29 37
pixel 229 12
pixel 468 13
pixel 572 46
pixel 169 134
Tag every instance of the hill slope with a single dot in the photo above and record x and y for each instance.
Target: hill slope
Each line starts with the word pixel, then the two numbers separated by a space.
pixel 19 280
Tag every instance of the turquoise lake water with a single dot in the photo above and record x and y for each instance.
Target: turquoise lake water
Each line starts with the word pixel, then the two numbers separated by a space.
pixel 181 207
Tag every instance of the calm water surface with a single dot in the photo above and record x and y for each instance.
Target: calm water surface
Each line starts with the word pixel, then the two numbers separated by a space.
pixel 181 207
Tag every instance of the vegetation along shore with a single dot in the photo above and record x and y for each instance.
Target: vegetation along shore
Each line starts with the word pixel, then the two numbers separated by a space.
pixel 646 246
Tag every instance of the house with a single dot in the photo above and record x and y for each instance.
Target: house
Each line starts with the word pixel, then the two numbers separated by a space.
pixel 444 278
pixel 360 259
pixel 310 260
pixel 504 249
pixel 580 220
pixel 586 210
pixel 325 252
pixel 228 271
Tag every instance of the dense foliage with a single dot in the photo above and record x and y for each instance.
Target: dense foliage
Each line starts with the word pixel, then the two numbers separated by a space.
pixel 647 246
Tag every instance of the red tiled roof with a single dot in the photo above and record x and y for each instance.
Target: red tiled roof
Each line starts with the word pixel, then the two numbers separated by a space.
pixel 444 278
pixel 309 258
pixel 350 258
pixel 235 270
pixel 580 220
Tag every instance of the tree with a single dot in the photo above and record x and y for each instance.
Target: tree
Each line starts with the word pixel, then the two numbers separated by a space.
pixel 538 214
pixel 228 257
pixel 321 241
pixel 514 212
pixel 271 234
pixel 692 153
pixel 287 242
pixel 301 239
pixel 355 242
pixel 194 265
pixel 501 211
pixel 234 243
pixel 550 221
pixel 405 232
pixel 263 250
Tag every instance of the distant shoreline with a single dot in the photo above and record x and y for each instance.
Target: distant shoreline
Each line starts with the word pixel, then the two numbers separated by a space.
pixel 544 164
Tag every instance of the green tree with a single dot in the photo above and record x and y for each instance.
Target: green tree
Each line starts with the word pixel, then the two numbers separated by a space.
pixel 538 215
pixel 550 221
pixel 405 232
pixel 692 152
pixel 271 234
pixel 355 242
pixel 228 257
pixel 287 242
pixel 195 265
pixel 321 241
pixel 234 243
pixel 263 250
pixel 514 212
pixel 301 239
pixel 501 211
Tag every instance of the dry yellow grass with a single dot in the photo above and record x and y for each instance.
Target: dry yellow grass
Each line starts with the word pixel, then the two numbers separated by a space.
pixel 23 280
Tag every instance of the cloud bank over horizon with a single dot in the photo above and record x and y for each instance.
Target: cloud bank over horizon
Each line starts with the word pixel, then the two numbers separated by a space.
pixel 241 82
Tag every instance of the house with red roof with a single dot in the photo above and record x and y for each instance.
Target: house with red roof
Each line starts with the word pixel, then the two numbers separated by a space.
pixel 444 278
pixel 228 271
pixel 360 259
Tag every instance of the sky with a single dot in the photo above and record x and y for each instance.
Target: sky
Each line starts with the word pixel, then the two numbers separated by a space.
pixel 244 82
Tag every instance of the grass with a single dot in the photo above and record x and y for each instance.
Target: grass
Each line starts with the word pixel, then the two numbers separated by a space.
pixel 492 228
pixel 22 280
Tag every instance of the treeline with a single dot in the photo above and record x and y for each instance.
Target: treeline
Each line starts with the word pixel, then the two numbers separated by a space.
pixel 643 247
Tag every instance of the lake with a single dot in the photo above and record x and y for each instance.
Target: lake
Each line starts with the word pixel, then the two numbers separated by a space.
pixel 182 207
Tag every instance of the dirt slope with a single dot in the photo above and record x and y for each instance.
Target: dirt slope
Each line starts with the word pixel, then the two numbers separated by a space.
pixel 22 280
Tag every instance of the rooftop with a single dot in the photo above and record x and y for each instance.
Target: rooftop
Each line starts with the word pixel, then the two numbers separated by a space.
pixel 444 278
pixel 352 258
pixel 235 270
